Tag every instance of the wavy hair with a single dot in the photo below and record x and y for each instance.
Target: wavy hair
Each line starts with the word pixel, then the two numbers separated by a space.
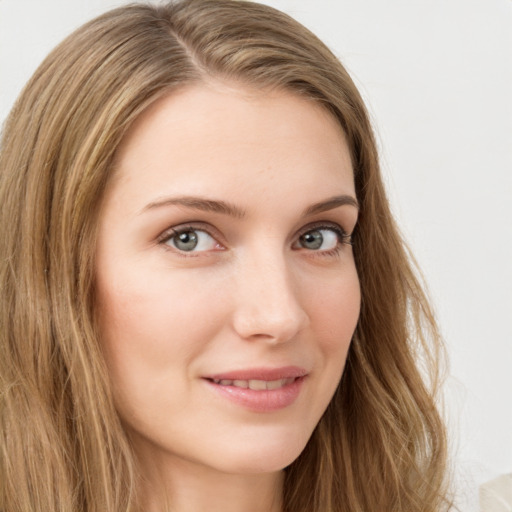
pixel 380 446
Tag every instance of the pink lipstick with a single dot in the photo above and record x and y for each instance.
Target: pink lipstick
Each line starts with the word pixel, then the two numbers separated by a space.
pixel 260 389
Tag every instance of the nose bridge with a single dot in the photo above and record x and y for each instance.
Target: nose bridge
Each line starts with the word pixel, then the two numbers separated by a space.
pixel 268 298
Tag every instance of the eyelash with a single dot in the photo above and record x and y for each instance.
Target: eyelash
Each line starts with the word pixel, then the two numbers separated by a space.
pixel 343 237
pixel 171 233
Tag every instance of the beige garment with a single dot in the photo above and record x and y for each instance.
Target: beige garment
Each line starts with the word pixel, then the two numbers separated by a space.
pixel 496 495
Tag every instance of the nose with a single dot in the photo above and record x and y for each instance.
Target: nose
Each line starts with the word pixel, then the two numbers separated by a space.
pixel 267 300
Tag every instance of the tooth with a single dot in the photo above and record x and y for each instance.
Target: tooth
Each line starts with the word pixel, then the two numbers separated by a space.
pixel 275 384
pixel 257 385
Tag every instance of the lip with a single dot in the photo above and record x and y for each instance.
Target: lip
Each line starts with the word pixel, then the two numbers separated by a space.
pixel 261 401
pixel 285 372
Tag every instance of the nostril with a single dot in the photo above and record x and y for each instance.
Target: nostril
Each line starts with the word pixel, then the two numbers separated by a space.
pixel 267 302
pixel 269 326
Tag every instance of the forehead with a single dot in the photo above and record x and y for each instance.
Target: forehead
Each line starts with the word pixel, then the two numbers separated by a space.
pixel 210 134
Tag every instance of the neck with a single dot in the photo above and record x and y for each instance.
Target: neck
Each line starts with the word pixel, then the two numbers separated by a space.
pixel 180 485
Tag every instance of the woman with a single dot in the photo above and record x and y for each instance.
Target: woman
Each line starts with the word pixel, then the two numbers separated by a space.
pixel 206 302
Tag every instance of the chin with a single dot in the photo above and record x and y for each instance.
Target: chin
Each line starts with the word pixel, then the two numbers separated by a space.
pixel 261 454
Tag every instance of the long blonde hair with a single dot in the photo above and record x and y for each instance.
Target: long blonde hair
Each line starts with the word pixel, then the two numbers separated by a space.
pixel 380 446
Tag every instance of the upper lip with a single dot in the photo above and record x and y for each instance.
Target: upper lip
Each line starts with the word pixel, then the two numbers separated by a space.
pixel 267 374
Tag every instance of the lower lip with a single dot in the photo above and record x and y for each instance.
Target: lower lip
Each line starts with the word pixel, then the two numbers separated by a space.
pixel 267 400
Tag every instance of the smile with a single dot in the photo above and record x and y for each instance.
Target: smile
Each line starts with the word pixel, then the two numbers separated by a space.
pixel 260 390
pixel 254 384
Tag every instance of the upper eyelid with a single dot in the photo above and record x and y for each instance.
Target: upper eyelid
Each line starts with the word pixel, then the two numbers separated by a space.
pixel 323 225
pixel 215 233
pixel 192 226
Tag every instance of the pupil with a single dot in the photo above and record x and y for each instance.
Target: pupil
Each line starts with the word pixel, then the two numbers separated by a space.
pixel 312 240
pixel 186 241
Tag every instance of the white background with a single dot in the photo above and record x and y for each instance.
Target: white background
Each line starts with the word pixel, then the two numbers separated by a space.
pixel 437 76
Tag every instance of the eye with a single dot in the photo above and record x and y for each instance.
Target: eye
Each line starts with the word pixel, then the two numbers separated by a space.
pixel 191 240
pixel 322 238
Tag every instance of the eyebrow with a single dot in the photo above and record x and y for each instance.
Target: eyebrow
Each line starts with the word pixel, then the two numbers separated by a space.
pixel 223 207
pixel 330 204
pixel 199 203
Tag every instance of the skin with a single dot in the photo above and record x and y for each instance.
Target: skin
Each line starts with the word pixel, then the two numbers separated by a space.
pixel 253 292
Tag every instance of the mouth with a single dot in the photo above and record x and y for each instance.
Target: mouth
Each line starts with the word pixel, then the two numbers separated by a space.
pixel 256 384
pixel 260 390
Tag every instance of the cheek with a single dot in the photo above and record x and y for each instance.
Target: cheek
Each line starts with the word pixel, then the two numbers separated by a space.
pixel 152 333
pixel 335 308
pixel 333 304
pixel 152 329
pixel 335 311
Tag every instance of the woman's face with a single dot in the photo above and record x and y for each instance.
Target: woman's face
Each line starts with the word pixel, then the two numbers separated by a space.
pixel 227 290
